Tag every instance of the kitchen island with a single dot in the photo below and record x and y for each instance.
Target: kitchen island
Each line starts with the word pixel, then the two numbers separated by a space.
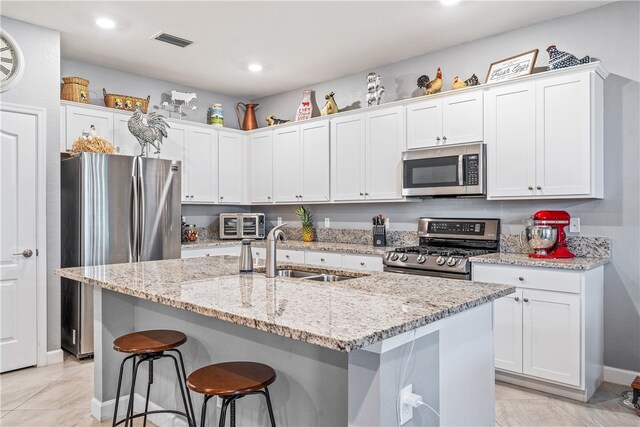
pixel 342 350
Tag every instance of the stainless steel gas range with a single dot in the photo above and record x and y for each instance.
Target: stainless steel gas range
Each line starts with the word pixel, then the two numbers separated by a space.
pixel 445 247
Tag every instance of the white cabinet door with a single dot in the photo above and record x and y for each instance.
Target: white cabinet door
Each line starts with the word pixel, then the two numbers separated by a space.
pixel 510 135
pixel 551 336
pixel 200 166
pixel 424 121
pixel 261 148
pixel 286 164
pixel 563 135
pixel 384 145
pixel 126 143
pixel 507 332
pixel 348 157
pixel 229 168
pixel 172 147
pixel 80 119
pixel 462 118
pixel 314 140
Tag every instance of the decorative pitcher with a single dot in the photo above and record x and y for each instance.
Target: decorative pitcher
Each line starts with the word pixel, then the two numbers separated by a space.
pixel 249 122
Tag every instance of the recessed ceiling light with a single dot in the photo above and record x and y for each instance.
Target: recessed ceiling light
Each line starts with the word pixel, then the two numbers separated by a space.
pixel 105 23
pixel 256 68
pixel 449 2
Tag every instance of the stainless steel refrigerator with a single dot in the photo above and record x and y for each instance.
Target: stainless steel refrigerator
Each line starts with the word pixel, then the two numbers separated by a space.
pixel 114 209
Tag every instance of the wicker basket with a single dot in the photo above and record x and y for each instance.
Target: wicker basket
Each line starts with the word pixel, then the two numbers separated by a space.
pixel 124 102
pixel 75 89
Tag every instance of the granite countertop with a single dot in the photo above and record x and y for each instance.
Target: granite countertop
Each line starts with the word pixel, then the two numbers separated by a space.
pixel 348 248
pixel 342 316
pixel 524 261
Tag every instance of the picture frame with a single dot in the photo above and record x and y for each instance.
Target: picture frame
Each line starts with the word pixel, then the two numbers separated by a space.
pixel 512 67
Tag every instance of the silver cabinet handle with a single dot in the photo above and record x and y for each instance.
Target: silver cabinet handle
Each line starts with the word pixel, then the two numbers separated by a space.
pixel 526 300
pixel 366 194
pixel 362 263
pixel 221 197
pixel 539 188
pixel 517 298
pixel 444 139
pixel 27 253
pixel 438 138
pixel 322 259
pixel 530 188
pixel 268 197
pixel 287 256
pixel 362 194
pixel 521 279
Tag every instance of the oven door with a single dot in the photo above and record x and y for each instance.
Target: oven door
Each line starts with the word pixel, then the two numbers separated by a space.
pixel 229 227
pixel 251 226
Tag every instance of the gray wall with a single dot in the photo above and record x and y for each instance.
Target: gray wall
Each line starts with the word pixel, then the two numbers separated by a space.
pixel 124 83
pixel 39 87
pixel 610 33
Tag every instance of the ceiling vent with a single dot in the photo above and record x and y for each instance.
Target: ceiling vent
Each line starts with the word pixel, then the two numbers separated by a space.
pixel 174 40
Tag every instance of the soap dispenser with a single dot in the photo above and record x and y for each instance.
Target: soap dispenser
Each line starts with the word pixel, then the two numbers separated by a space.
pixel 246 258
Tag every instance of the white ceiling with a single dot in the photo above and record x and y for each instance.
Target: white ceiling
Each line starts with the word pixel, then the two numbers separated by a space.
pixel 298 42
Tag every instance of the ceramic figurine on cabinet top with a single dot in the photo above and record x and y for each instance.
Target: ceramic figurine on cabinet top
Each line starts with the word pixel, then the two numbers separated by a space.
pixel 330 107
pixel 305 109
pixel 431 86
pixel 559 59
pixel 271 120
pixel 459 84
pixel 374 89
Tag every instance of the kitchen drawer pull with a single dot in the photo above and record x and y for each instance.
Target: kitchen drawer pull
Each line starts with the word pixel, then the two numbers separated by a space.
pixel 517 298
pixel 362 263
pixel 438 138
pixel 366 194
pixel 322 259
pixel 521 278
pixel 526 300
pixel 221 197
pixel 539 188
pixel 530 188
pixel 287 256
pixel 444 138
pixel 362 194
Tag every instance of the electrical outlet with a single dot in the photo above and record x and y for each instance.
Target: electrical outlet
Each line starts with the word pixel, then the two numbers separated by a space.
pixel 406 411
pixel 279 220
pixel 327 223
pixel 574 225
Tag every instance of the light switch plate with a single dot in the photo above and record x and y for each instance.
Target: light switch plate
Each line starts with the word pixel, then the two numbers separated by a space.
pixel 279 220
pixel 574 225
pixel 327 223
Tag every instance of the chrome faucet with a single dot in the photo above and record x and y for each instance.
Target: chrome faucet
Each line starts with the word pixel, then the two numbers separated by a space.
pixel 273 236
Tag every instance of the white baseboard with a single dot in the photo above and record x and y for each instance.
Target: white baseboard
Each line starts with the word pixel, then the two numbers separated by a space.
pixel 619 376
pixel 55 356
pixel 104 410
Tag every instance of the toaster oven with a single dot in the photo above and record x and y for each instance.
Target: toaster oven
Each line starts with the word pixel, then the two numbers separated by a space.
pixel 242 226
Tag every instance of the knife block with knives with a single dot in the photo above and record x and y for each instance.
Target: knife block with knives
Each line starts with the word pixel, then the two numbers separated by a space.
pixel 379 231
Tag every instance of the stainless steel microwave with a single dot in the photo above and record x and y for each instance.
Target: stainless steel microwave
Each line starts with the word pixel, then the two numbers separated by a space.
pixel 242 226
pixel 454 170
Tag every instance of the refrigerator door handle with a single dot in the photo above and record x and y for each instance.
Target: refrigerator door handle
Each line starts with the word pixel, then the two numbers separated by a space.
pixel 135 219
pixel 141 217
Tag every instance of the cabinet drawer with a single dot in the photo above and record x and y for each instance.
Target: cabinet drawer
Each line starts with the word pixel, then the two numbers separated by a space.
pixel 529 277
pixel 362 262
pixel 259 253
pixel 220 250
pixel 288 255
pixel 324 258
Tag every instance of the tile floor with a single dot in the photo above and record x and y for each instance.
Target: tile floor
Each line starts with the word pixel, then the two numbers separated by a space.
pixel 60 395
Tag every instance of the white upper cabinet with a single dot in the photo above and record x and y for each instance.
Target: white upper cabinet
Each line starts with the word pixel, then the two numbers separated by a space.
pixel 348 157
pixel 172 147
pixel 314 173
pixel 200 167
pixel 79 119
pixel 384 146
pixel 126 143
pixel 544 138
pixel 286 164
pixel 261 149
pixel 450 119
pixel 230 160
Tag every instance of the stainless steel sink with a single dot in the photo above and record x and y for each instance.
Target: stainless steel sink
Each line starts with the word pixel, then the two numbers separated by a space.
pixel 310 275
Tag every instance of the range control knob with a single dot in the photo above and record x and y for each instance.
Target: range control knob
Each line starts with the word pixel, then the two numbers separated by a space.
pixel 451 261
pixel 394 257
pixel 440 260
pixel 404 258
pixel 421 259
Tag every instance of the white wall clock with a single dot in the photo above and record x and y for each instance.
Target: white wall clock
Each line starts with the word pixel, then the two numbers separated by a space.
pixel 11 61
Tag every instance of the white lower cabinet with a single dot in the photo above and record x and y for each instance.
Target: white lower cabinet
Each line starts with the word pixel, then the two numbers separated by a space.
pixel 362 262
pixel 327 259
pixel 233 250
pixel 550 329
pixel 289 255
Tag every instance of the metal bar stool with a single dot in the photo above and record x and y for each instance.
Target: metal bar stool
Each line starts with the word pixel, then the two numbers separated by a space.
pixel 232 381
pixel 148 346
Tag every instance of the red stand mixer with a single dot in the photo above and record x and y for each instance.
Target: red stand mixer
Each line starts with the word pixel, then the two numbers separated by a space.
pixel 546 235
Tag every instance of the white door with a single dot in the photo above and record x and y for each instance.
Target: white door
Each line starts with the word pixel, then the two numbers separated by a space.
pixel 385 142
pixel 230 168
pixel 261 146
pixel 551 335
pixel 507 332
pixel 348 157
pixel 18 154
pixel 510 135
pixel 201 166
pixel 126 143
pixel 286 164
pixel 563 135
pixel 80 119
pixel 314 140
pixel 462 118
pixel 424 122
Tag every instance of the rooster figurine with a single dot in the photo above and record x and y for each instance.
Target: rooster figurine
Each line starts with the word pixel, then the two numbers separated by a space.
pixel 459 84
pixel 150 133
pixel 559 59
pixel 431 86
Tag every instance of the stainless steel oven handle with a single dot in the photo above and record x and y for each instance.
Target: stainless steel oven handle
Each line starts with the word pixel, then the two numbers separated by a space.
pixel 460 170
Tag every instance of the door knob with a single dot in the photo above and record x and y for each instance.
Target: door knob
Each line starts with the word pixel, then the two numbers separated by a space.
pixel 526 300
pixel 530 188
pixel 26 253
pixel 438 139
pixel 539 188
pixel 444 139
pixel 517 298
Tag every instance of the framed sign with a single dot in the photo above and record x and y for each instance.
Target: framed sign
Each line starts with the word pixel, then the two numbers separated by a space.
pixel 515 66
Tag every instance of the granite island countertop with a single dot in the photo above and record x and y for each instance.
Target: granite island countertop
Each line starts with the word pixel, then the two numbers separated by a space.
pixel 343 316
pixel 347 248
pixel 523 260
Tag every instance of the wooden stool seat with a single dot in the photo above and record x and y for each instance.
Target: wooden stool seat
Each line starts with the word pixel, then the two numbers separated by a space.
pixel 229 378
pixel 149 341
